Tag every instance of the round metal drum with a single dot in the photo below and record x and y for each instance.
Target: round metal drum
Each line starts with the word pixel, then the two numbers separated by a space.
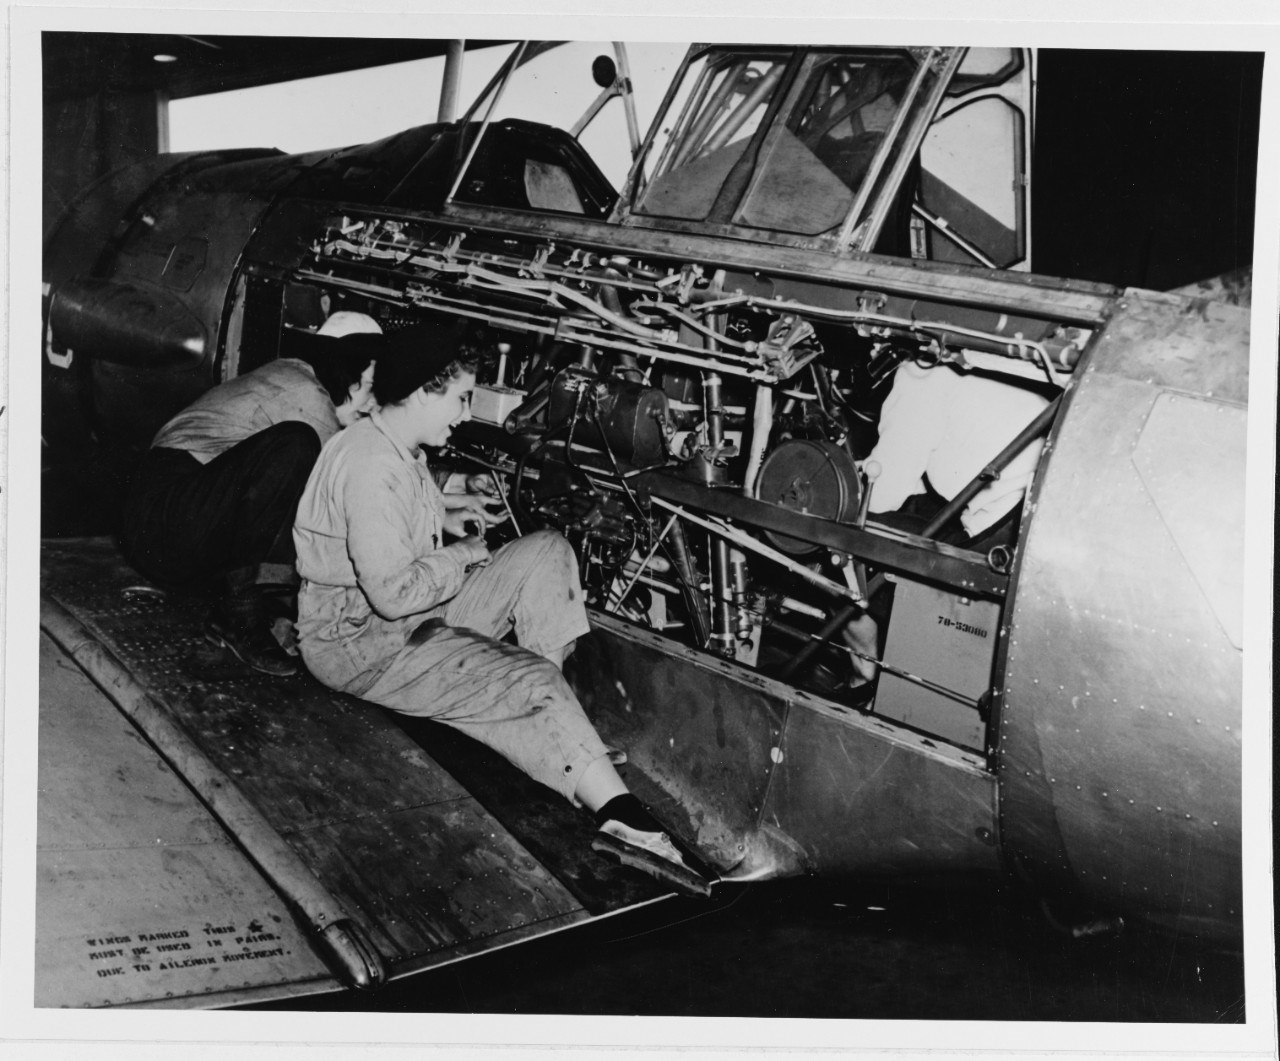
pixel 815 477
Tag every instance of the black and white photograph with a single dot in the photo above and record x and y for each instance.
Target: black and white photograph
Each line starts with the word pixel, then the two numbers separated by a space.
pixel 698 534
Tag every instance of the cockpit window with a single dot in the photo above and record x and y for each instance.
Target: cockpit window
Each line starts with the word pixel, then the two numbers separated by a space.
pixel 984 68
pixel 725 97
pixel 549 187
pixel 815 162
pixel 782 142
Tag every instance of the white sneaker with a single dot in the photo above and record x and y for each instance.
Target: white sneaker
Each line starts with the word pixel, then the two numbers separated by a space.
pixel 650 852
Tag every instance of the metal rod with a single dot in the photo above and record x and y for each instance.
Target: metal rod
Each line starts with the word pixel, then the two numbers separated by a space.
pixel 515 525
pixel 761 422
pixel 688 572
pixel 588 116
pixel 700 123
pixel 790 604
pixel 741 605
pixel 882 153
pixel 751 545
pixel 451 81
pixel 647 560
pixel 909 147
pixel 488 116
pixel 991 472
pixel 940 223
pixel 722 610
pixel 628 97
pixel 915 679
pixel 508 64
pixel 743 111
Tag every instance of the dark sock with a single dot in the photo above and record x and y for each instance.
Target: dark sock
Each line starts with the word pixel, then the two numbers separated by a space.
pixel 630 811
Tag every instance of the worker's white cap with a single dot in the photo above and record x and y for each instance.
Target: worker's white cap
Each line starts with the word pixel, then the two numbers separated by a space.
pixel 347 322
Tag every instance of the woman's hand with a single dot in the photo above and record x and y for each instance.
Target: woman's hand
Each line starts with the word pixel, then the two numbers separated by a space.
pixel 464 520
pixel 474 551
pixel 482 483
pixel 470 509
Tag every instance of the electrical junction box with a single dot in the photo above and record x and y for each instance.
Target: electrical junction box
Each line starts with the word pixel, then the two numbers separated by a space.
pixel 492 405
pixel 950 641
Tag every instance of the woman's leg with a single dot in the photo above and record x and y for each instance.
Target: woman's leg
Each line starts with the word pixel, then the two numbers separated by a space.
pixel 187 522
pixel 503 695
pixel 531 586
pixel 519 704
pixel 599 784
pixel 225 523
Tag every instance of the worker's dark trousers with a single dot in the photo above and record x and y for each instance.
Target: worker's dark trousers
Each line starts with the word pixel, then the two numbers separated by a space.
pixel 192 524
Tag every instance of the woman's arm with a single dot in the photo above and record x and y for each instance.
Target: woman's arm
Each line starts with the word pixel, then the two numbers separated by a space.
pixel 401 566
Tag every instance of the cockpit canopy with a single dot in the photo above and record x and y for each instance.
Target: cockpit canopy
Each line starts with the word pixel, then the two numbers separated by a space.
pixel 919 152
pixel 844 148
pixel 777 140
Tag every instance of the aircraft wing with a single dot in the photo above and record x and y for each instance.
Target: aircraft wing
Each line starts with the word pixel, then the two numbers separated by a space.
pixel 357 858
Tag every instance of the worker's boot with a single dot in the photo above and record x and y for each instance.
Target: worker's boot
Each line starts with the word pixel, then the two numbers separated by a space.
pixel 241 623
pixel 630 833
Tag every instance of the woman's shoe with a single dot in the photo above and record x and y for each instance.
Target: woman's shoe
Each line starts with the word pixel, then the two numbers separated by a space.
pixel 641 843
pixel 252 644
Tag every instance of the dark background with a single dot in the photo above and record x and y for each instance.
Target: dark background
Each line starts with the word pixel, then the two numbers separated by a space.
pixel 1144 168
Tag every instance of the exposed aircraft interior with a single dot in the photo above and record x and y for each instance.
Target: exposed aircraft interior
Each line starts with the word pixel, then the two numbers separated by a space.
pixel 571 431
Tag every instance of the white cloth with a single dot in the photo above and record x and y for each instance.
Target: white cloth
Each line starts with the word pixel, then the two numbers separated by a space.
pixel 947 425
pixel 348 322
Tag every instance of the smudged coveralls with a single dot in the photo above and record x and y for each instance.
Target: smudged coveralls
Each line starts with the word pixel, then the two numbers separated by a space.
pixel 375 571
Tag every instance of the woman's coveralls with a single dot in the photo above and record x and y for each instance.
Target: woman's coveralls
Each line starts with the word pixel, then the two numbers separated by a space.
pixel 390 613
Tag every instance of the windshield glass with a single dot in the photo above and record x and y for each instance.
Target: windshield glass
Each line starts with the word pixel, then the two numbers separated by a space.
pixel 813 163
pixel 720 103
pixel 798 173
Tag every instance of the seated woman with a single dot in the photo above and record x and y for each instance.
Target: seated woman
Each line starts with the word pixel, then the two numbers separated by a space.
pixel 401 605
pixel 214 497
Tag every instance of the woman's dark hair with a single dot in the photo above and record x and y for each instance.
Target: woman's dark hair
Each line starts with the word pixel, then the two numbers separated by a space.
pixel 339 362
pixel 429 356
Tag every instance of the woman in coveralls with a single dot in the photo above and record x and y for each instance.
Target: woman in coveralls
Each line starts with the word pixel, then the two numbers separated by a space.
pixel 401 605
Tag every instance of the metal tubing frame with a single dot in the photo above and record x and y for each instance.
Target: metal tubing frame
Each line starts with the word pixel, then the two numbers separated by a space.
pixel 628 97
pixel 991 472
pixel 938 222
pixel 909 148
pixel 845 239
pixel 959 569
pixel 740 538
pixel 484 125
